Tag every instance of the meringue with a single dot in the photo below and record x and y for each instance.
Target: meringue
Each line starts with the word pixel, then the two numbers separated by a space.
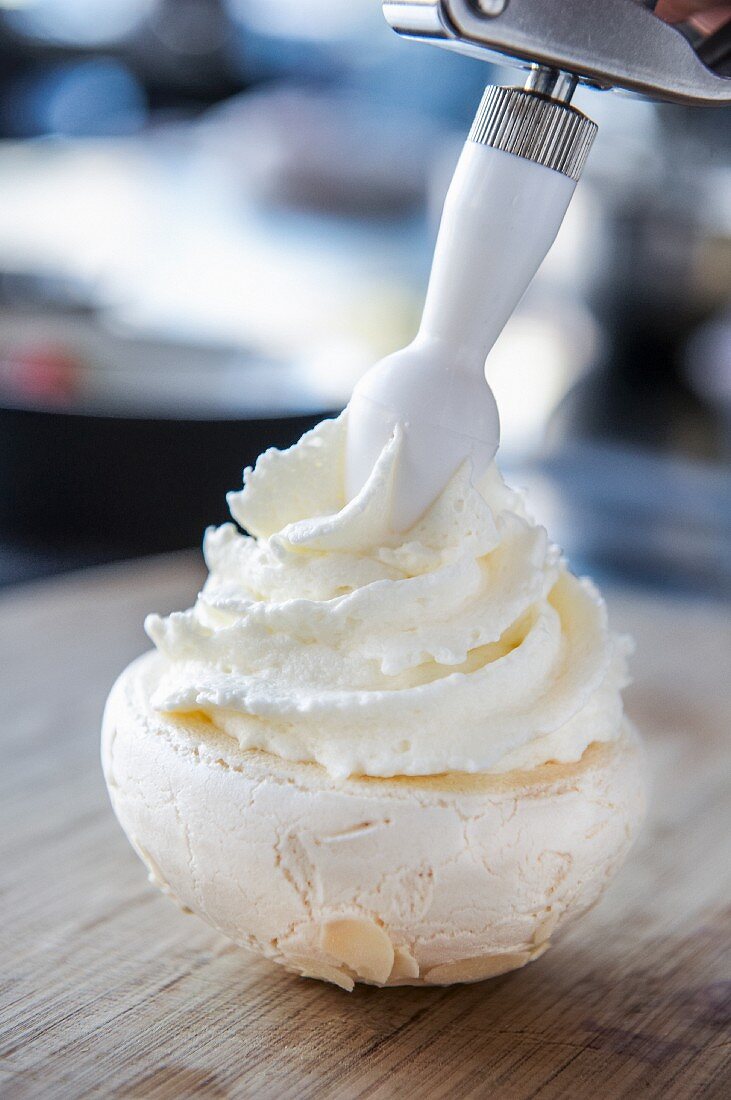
pixel 405 881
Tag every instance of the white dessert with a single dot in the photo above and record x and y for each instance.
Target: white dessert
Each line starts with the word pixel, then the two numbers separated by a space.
pixel 378 757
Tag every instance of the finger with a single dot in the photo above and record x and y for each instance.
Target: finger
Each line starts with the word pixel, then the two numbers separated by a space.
pixel 709 21
pixel 711 12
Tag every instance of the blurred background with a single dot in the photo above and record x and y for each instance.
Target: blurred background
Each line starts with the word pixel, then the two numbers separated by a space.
pixel 216 214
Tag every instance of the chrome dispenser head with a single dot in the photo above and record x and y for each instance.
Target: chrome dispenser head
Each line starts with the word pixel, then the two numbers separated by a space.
pixel 612 44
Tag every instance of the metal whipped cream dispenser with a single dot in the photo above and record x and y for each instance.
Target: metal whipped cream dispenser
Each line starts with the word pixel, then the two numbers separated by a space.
pixel 508 196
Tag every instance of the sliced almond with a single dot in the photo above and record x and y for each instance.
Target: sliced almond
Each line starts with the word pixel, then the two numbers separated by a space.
pixel 477 969
pixel 404 964
pixel 361 944
pixel 313 968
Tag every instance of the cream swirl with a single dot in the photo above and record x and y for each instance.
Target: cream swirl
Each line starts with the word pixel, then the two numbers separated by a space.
pixel 465 645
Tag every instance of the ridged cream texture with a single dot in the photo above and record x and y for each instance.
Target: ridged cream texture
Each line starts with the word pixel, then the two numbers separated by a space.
pixel 464 645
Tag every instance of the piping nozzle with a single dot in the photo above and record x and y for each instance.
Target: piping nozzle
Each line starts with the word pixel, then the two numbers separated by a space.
pixel 508 196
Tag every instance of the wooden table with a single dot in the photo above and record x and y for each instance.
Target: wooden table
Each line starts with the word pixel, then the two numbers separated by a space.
pixel 110 991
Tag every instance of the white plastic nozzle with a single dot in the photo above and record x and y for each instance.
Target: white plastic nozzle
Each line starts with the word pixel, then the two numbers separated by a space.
pixel 501 215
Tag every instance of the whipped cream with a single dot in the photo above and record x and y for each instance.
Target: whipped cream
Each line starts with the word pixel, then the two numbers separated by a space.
pixel 463 645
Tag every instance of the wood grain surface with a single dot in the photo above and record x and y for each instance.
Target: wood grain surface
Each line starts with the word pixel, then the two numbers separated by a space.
pixel 109 991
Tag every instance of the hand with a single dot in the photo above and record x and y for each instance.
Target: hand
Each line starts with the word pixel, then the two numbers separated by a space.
pixel 706 15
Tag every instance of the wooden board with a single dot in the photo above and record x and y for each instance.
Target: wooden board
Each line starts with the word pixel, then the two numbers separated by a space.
pixel 109 991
